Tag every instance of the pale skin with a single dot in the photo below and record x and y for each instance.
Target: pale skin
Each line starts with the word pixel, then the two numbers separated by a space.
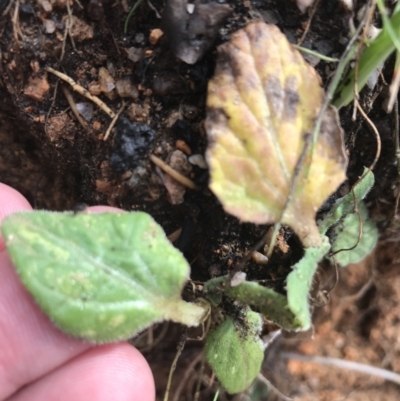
pixel 39 362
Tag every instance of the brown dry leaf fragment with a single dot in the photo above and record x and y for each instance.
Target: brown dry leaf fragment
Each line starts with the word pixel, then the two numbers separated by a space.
pixel 262 104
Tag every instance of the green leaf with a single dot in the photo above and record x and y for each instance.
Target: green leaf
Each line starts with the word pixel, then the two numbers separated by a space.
pixel 372 58
pixel 272 305
pixel 235 351
pixel 299 283
pixel 345 235
pixel 345 205
pixel 101 277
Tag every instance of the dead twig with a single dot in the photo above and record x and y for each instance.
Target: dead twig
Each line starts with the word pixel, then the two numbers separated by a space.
pixel 181 345
pixel 82 91
pixel 16 28
pixel 187 182
pixel 51 106
pixel 69 26
pixel 188 372
pixel 114 120
pixel 72 104
pixel 307 28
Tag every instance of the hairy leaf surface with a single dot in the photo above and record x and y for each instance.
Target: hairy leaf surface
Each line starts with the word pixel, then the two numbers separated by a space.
pixel 299 283
pixel 235 351
pixel 269 303
pixel 261 107
pixel 101 277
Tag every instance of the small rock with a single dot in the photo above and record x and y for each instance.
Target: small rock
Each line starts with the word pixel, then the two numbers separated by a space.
pixel 136 176
pixel 183 146
pixel 49 26
pixel 176 191
pixel 199 161
pixel 107 83
pixel 139 38
pixel 45 4
pixel 80 30
pixel 60 127
pixel 37 88
pixel 131 143
pixel 190 8
pixel 125 88
pixel 23 8
pixel 155 36
pixel 259 258
pixel 96 126
pixel 238 279
pixel 85 110
pixel 94 88
pixel 135 54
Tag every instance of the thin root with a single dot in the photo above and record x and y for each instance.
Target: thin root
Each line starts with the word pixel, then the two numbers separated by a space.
pixel 114 120
pixel 72 104
pixel 187 182
pixel 82 91
pixel 312 13
pixel 181 345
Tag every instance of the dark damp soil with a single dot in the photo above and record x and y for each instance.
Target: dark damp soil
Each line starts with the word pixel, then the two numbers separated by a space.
pixel 59 163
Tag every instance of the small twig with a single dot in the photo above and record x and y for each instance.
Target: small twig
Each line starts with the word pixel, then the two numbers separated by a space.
pixel 114 120
pixel 71 23
pixel 51 106
pixel 312 13
pixel 158 15
pixel 360 229
pixel 64 41
pixel 370 168
pixel 81 90
pixel 343 364
pixel 378 142
pixel 199 380
pixel 157 340
pixel 181 345
pixel 15 20
pixel 72 104
pixel 187 182
pixel 271 387
pixel 184 380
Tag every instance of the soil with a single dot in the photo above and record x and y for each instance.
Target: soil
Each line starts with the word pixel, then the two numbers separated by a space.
pixel 58 163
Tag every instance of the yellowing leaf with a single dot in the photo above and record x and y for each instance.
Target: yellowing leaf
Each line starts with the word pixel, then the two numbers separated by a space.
pixel 262 104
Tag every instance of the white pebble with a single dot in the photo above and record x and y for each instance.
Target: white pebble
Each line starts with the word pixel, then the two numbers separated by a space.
pixel 198 160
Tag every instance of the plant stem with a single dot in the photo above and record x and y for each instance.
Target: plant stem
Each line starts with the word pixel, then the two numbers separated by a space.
pixel 316 54
pixel 186 313
pixel 133 9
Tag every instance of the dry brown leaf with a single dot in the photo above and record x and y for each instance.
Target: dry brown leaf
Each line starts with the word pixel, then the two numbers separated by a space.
pixel 262 104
